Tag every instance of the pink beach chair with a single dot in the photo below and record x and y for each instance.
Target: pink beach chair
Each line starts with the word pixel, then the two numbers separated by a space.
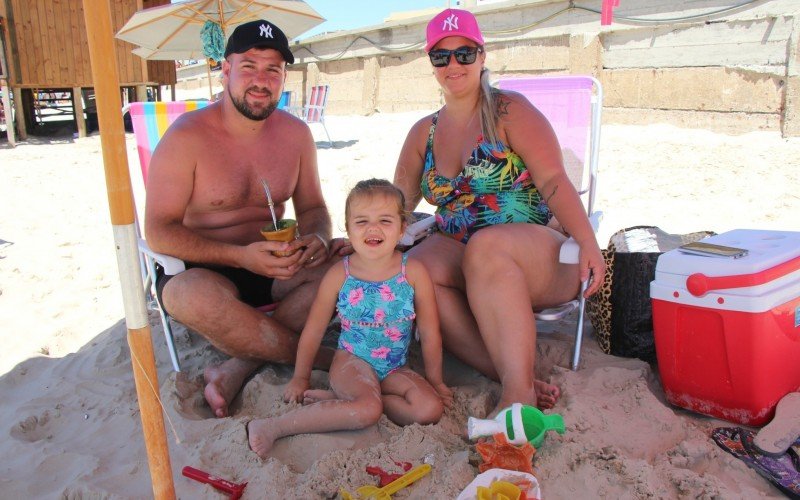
pixel 573 105
pixel 150 121
pixel 314 110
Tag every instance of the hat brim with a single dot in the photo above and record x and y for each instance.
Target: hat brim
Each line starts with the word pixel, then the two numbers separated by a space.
pixel 432 43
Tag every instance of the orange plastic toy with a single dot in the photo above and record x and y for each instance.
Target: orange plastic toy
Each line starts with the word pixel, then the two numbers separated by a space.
pixel 503 455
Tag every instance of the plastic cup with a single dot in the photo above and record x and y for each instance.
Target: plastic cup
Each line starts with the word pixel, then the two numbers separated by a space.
pixel 287 231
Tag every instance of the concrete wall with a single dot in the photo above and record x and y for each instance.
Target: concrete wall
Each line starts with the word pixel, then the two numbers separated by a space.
pixel 733 71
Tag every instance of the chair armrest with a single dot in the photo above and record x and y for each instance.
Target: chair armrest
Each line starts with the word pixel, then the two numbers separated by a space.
pixel 417 230
pixel 171 265
pixel 570 251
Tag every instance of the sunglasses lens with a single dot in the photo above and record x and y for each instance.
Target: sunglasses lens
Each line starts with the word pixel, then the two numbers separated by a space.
pixel 466 55
pixel 439 58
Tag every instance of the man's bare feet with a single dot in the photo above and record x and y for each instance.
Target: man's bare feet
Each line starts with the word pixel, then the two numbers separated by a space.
pixel 261 435
pixel 312 396
pixel 223 383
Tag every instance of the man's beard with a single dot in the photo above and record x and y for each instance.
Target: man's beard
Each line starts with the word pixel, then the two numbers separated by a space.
pixel 248 112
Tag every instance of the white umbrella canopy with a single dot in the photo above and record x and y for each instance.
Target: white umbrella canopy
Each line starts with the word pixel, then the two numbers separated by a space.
pixel 171 32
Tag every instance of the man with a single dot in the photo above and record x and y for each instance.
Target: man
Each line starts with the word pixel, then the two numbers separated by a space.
pixel 205 205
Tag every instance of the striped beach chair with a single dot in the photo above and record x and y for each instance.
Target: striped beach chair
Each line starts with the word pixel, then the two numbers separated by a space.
pixel 150 121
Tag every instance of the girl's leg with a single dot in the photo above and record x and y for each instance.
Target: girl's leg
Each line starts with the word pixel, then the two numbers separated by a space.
pixel 358 405
pixel 511 269
pixel 408 398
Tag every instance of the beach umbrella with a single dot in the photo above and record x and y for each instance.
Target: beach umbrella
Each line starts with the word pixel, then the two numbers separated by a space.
pixel 99 29
pixel 179 30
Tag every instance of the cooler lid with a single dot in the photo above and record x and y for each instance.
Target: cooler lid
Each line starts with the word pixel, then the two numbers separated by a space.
pixel 766 249
pixel 767 276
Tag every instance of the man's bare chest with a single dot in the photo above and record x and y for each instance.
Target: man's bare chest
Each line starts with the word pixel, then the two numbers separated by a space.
pixel 227 179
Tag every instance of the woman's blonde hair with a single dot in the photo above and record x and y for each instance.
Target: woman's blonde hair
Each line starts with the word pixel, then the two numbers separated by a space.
pixel 488 108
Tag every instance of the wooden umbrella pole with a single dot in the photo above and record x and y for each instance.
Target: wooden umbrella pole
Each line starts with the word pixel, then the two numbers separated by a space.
pixel 120 201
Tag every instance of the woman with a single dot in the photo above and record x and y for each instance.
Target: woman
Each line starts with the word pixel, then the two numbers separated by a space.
pixel 492 165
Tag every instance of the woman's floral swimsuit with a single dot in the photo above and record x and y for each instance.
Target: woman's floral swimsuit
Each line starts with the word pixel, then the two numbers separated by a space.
pixel 377 319
pixel 494 187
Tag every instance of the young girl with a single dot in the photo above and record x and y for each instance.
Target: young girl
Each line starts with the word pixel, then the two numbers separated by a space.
pixel 377 292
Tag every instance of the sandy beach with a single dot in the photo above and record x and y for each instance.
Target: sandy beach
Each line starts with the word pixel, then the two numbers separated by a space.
pixel 70 422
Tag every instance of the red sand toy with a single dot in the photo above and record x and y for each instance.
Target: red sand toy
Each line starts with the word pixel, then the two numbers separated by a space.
pixel 233 489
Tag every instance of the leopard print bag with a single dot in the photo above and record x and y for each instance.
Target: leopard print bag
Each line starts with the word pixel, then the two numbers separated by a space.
pixel 620 311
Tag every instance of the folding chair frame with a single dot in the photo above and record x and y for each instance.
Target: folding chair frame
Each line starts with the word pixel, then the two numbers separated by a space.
pixel 150 120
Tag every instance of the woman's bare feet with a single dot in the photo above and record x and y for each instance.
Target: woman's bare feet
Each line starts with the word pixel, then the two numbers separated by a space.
pixel 543 395
pixel 223 383
pixel 546 394
pixel 261 435
pixel 312 396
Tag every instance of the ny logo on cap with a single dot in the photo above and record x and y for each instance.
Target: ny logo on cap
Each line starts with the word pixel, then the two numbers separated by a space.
pixel 266 31
pixel 451 23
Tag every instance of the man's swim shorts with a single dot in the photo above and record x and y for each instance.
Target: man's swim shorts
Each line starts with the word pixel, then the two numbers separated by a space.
pixel 254 289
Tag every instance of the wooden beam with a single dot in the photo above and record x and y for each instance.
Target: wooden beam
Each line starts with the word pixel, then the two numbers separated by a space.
pixel 8 114
pixel 19 114
pixel 77 106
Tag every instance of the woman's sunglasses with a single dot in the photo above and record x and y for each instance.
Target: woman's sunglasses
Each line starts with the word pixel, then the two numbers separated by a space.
pixel 464 55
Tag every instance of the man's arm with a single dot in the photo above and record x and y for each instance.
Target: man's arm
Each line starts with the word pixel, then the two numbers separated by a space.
pixel 310 209
pixel 170 183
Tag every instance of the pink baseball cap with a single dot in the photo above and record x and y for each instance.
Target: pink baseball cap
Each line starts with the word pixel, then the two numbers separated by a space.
pixel 453 22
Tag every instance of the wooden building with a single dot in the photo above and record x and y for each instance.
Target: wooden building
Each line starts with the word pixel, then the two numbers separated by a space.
pixel 47 59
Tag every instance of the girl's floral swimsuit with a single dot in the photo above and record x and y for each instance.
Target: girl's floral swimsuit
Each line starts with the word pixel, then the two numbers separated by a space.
pixel 494 187
pixel 377 319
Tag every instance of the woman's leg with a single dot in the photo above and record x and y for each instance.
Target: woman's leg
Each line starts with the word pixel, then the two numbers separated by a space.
pixel 510 270
pixel 358 405
pixel 408 398
pixel 442 256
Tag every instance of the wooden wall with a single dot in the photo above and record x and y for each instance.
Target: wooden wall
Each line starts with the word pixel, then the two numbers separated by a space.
pixel 47 46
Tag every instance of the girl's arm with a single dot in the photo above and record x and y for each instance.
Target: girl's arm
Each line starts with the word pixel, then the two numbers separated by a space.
pixel 318 318
pixel 428 325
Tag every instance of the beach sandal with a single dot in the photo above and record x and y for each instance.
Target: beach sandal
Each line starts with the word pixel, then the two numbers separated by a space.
pixel 776 437
pixel 783 471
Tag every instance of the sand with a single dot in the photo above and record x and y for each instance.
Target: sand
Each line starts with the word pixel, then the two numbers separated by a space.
pixel 69 415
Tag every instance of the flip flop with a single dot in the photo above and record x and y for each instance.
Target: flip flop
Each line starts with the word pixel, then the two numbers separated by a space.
pixel 783 471
pixel 776 437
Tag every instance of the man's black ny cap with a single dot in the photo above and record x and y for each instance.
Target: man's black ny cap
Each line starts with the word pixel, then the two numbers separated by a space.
pixel 261 34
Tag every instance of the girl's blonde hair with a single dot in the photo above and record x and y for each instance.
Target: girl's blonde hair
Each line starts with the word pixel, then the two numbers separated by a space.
pixel 371 187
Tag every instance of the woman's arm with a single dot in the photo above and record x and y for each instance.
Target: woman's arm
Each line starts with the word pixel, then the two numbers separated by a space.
pixel 428 325
pixel 318 318
pixel 530 135
pixel 408 172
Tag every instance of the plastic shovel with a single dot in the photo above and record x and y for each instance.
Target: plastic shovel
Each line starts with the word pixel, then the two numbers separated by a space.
pixel 386 492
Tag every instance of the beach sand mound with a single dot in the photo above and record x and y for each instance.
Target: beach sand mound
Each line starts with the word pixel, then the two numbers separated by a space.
pixel 70 416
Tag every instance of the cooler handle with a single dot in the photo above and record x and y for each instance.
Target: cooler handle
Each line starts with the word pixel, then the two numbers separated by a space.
pixel 699 284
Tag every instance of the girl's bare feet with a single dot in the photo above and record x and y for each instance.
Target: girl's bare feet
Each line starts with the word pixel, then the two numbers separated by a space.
pixel 312 396
pixel 261 435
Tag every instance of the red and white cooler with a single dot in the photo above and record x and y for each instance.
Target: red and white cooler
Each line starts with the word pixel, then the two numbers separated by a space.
pixel 727 331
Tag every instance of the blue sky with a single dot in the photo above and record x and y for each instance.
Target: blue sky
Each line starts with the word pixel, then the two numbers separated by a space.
pixel 351 14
